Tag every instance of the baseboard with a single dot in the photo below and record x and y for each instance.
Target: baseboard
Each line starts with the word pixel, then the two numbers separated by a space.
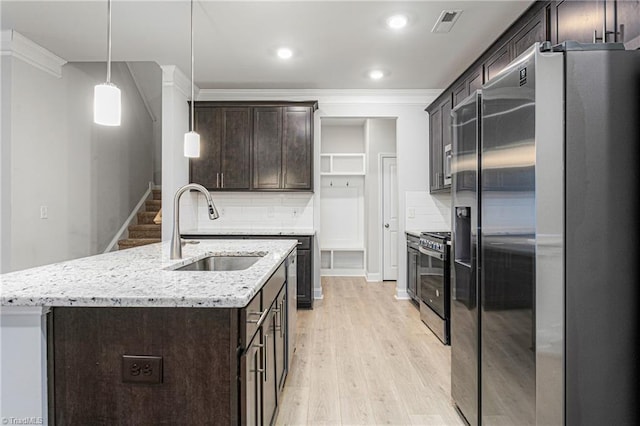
pixel 342 273
pixel 402 295
pixel 374 278
pixel 317 294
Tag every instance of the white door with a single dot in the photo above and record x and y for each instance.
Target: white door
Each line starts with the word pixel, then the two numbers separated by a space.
pixel 389 219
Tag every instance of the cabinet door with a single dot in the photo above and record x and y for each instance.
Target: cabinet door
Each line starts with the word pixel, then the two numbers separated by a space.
pixel 628 20
pixel 297 148
pixel 532 32
pixel 460 92
pixel 577 20
pixel 447 138
pixel 305 279
pixel 267 147
pixel 435 150
pixel 281 338
pixel 234 155
pixel 475 81
pixel 269 385
pixel 497 62
pixel 205 170
pixel 251 385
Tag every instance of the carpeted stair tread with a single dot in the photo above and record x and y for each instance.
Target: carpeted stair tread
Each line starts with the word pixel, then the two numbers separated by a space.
pixel 157 194
pixel 145 231
pixel 146 217
pixel 153 205
pixel 136 242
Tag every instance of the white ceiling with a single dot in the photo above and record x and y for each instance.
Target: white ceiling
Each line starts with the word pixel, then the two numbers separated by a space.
pixel 336 43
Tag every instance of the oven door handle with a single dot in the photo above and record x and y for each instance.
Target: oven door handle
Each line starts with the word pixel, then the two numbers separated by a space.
pixel 431 253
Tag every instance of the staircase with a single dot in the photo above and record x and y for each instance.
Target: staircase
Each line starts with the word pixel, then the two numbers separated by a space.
pixel 146 231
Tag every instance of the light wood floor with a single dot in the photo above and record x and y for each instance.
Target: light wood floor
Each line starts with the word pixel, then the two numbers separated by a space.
pixel 364 357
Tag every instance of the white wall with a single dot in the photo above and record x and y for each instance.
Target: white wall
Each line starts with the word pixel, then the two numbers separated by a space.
pixel 5 163
pixel 88 176
pixel 248 211
pixel 426 212
pixel 148 79
pixel 381 139
pixel 176 91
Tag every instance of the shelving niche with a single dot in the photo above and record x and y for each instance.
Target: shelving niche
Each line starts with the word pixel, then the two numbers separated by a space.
pixel 342 205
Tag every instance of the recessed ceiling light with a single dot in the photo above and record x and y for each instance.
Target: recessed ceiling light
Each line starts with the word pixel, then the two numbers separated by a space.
pixel 397 22
pixel 285 53
pixel 376 74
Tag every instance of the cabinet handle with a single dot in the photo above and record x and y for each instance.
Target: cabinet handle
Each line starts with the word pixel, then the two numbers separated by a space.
pixel 299 243
pixel 266 356
pixel 222 179
pixel 259 320
pixel 217 180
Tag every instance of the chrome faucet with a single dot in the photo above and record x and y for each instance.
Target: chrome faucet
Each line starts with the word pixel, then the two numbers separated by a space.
pixel 176 241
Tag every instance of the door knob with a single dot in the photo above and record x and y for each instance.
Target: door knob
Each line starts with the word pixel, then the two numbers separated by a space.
pixel 386 225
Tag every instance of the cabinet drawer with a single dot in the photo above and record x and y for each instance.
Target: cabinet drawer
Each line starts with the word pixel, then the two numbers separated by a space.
pixel 249 318
pixel 304 243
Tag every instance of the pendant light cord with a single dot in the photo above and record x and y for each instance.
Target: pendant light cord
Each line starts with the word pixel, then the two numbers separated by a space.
pixel 192 83
pixel 108 41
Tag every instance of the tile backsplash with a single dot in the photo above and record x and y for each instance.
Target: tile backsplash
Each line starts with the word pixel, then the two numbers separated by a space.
pixel 248 211
pixel 424 211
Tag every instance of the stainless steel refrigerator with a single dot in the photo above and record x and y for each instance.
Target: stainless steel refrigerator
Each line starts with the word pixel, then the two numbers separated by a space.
pixel 545 312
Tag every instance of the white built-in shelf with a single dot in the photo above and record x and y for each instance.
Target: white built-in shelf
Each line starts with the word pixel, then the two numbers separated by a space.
pixel 342 261
pixel 342 164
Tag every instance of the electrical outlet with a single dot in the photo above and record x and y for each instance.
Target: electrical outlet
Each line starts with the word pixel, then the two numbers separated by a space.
pixel 294 212
pixel 142 369
pixel 271 212
pixel 411 213
pixel 44 212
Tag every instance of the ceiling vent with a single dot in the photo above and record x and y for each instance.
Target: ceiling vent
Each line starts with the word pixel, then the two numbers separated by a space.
pixel 446 20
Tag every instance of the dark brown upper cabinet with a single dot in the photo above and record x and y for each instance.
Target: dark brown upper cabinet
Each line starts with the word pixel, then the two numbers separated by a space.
pixel 297 153
pixel 555 21
pixel 254 146
pixel 283 148
pixel 497 62
pixel 436 178
pixel 577 20
pixel 267 148
pixel 224 148
pixel 440 136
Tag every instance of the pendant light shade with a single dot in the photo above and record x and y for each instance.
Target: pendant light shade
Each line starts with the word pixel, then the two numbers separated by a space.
pixel 107 108
pixel 191 138
pixel 191 145
pixel 106 105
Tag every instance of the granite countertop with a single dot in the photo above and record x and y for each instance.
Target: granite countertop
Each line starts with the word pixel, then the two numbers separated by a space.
pixel 244 231
pixel 143 277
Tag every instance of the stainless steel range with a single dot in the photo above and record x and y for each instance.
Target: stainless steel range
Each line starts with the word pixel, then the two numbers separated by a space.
pixel 434 274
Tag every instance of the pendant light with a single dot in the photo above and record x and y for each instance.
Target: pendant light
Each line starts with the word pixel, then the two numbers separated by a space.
pixel 191 138
pixel 106 96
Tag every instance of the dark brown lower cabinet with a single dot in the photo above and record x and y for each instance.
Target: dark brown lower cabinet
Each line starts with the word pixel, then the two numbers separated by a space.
pixel 169 366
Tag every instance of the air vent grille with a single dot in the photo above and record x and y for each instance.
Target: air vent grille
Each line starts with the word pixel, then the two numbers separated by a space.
pixel 446 20
pixel 449 16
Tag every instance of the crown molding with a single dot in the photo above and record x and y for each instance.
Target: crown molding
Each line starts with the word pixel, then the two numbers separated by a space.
pixel 326 96
pixel 18 46
pixel 173 76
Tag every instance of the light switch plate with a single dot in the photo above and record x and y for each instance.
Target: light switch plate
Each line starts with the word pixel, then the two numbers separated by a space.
pixel 411 213
pixel 44 212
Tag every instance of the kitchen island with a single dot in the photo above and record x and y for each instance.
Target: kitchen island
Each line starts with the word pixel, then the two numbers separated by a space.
pixel 71 331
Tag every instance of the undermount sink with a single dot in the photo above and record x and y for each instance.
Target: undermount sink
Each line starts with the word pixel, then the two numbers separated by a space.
pixel 221 263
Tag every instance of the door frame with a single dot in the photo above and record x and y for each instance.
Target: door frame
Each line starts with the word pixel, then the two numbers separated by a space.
pixel 381 157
